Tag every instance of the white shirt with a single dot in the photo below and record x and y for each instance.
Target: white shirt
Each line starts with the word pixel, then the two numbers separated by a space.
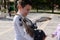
pixel 21 34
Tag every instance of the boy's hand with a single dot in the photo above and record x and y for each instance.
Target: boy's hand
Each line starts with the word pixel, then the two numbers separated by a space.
pixel 53 35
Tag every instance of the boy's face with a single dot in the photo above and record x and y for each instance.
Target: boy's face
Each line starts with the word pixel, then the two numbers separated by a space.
pixel 25 10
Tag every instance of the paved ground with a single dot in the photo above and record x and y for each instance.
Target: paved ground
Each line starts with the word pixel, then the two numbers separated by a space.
pixel 7 29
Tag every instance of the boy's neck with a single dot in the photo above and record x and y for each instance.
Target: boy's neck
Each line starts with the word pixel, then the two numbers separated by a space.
pixel 19 12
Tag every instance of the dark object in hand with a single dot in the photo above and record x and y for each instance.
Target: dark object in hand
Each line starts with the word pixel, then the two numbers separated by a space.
pixel 39 35
pixel 34 32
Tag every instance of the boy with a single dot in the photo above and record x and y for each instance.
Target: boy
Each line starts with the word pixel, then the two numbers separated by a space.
pixel 24 7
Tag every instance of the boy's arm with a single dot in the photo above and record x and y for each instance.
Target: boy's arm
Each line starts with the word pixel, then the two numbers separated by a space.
pixel 19 26
pixel 55 32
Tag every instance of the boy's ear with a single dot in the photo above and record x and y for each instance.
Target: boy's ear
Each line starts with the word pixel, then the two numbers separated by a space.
pixel 19 6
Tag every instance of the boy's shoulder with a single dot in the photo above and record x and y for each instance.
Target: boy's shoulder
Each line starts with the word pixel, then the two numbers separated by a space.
pixel 17 17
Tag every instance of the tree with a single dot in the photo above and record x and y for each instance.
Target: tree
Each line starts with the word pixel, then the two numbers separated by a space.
pixel 36 3
pixel 0 4
pixel 16 5
pixel 5 4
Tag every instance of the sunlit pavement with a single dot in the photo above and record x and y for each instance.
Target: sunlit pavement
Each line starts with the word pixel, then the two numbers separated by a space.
pixel 7 29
